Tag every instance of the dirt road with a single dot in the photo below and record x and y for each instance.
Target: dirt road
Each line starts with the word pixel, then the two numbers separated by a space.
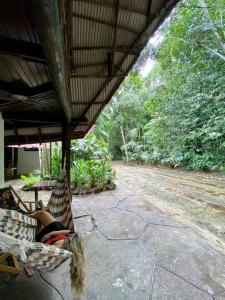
pixel 195 199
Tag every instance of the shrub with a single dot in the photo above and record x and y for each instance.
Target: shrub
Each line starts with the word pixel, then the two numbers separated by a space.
pixel 29 181
pixel 90 148
pixel 91 174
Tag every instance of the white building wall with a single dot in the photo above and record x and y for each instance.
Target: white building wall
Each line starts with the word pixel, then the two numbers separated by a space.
pixel 2 180
pixel 28 161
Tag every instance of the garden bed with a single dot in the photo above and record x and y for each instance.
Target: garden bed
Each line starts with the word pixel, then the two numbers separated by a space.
pixel 95 190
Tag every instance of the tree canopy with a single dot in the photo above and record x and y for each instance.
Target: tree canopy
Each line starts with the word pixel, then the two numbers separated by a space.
pixel 176 114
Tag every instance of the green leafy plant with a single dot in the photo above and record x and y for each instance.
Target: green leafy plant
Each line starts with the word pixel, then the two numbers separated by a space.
pixel 86 174
pixel 92 147
pixel 56 160
pixel 29 180
pixel 175 114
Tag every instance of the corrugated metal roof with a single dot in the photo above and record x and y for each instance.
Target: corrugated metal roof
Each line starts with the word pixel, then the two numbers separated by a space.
pixel 102 41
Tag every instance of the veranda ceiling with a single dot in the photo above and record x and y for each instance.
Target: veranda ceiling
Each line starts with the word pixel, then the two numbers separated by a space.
pixel 62 61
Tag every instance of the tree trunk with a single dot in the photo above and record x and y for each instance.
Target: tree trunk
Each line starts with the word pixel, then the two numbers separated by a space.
pixel 124 143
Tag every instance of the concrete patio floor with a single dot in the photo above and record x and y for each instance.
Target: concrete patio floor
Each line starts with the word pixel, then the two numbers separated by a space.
pixel 135 252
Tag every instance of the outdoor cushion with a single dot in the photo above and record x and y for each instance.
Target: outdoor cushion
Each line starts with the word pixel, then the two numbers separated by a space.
pixel 17 225
pixel 35 255
pixel 17 231
pixel 7 200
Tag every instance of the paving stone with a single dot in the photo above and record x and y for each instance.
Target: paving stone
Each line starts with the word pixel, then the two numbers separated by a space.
pixel 119 224
pixel 186 254
pixel 93 202
pixel 167 286
pixel 34 288
pixel 143 207
pixel 117 270
pixel 83 224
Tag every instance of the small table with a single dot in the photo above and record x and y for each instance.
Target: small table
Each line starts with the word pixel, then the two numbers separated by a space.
pixel 40 186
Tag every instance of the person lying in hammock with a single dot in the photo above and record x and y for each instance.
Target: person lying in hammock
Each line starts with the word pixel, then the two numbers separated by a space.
pixel 54 233
pixel 50 231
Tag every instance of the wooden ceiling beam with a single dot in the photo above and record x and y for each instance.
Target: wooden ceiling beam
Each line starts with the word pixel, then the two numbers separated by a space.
pixel 20 88
pixel 110 5
pixel 91 19
pixel 86 102
pixel 17 136
pixel 81 66
pixel 122 49
pixel 32 118
pixel 114 37
pixel 25 50
pixel 93 75
pixel 23 125
pixel 40 136
pixel 149 14
pixel 32 122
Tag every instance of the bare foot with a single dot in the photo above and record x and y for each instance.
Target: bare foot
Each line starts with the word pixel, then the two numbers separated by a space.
pixel 29 271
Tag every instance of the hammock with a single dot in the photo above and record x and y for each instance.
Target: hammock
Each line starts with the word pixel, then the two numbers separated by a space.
pixel 18 231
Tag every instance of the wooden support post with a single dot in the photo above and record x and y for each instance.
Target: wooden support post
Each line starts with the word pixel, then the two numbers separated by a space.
pixel 66 143
pixel 15 161
pixel 50 157
pixel 46 17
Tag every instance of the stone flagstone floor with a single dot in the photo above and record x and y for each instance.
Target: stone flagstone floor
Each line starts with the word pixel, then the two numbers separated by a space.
pixel 134 252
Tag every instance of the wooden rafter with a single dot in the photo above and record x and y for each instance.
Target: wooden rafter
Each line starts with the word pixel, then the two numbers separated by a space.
pixel 25 50
pixel 86 102
pixel 122 49
pixel 40 135
pixel 92 75
pixel 135 42
pixel 19 88
pixel 32 118
pixel 91 19
pixel 115 33
pixel 110 5
pixel 149 12
pixel 109 64
pixel 16 136
pixel 88 65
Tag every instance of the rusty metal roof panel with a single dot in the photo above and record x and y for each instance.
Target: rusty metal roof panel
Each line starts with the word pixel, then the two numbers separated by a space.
pixel 93 11
pixel 33 131
pixel 81 57
pixel 81 128
pixel 15 21
pixel 140 5
pixel 101 43
pixel 84 89
pixel 51 130
pixel 14 68
pixel 127 62
pixel 88 33
pixel 132 21
pixel 124 37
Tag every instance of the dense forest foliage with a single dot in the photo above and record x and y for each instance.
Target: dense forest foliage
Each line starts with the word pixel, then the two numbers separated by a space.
pixel 176 114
